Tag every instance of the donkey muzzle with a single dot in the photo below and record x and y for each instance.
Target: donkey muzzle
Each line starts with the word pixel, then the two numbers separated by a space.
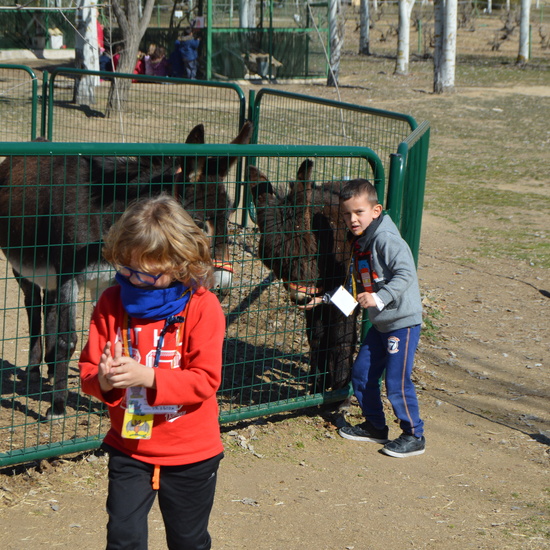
pixel 301 294
pixel 223 275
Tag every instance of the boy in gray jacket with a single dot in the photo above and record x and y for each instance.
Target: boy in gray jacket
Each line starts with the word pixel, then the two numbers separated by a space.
pixel 383 280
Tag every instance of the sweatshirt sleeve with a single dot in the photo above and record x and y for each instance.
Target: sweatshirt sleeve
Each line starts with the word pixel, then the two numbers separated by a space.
pixel 100 332
pixel 393 252
pixel 199 377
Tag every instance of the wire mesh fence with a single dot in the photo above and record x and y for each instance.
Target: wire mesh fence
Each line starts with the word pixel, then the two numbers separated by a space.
pixel 296 119
pixel 19 103
pixel 275 356
pixel 147 110
pixel 51 234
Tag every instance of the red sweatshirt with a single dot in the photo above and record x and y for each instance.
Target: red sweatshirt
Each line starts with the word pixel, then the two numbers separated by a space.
pixel 192 434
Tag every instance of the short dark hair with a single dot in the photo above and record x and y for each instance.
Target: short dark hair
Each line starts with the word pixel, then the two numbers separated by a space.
pixel 356 187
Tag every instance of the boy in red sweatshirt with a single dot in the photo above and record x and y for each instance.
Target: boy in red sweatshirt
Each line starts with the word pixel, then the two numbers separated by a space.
pixel 154 356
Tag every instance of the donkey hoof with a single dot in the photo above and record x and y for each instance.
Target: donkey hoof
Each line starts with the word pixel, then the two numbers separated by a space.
pixel 345 406
pixel 222 279
pixel 55 412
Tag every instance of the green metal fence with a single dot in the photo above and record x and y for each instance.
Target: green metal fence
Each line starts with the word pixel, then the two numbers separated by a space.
pixel 295 119
pixel 406 185
pixel 19 103
pixel 266 356
pixel 402 145
pixel 266 365
pixel 280 40
pixel 151 109
pixel 29 28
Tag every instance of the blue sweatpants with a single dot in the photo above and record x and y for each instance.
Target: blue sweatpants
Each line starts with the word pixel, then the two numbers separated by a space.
pixel 393 351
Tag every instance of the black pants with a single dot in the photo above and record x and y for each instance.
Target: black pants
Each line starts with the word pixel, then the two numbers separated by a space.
pixel 186 496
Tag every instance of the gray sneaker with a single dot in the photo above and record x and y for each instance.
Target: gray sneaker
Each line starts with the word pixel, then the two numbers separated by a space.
pixel 365 432
pixel 405 445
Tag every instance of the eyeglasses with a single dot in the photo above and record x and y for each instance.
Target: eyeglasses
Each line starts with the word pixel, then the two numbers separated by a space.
pixel 144 278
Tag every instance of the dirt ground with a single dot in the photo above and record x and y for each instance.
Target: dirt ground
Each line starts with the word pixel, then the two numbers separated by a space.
pixel 290 482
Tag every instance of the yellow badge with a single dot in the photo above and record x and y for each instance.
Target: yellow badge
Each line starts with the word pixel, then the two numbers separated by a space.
pixel 137 426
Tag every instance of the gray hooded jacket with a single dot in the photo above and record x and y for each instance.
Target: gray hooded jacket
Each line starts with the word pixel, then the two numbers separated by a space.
pixel 396 283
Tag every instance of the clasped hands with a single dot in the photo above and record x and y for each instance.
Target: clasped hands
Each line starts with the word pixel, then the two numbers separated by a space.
pixel 118 371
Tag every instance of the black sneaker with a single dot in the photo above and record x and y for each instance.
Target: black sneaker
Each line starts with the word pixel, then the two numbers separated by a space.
pixel 405 445
pixel 365 432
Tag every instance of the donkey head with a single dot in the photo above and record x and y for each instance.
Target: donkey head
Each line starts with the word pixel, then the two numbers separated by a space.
pixel 288 245
pixel 207 200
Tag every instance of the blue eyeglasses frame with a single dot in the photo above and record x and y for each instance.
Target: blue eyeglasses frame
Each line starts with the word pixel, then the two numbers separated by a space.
pixel 145 278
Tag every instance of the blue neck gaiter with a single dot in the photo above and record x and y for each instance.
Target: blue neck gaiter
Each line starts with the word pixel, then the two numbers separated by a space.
pixel 152 303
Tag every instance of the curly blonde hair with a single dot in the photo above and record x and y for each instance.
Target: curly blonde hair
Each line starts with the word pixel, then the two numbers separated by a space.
pixel 156 235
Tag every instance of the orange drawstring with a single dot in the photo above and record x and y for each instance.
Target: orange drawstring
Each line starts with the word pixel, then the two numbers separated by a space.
pixel 156 478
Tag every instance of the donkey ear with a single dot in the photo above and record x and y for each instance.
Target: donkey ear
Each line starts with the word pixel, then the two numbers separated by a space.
pixel 305 171
pixel 196 135
pixel 259 184
pixel 303 192
pixel 221 165
pixel 245 135
pixel 191 167
pixel 303 185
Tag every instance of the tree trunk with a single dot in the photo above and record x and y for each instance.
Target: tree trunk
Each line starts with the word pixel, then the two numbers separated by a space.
pixel 132 27
pixel 404 34
pixel 525 15
pixel 364 37
pixel 247 14
pixel 86 52
pixel 335 44
pixel 445 17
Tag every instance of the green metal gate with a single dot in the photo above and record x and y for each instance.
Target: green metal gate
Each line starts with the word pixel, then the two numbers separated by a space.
pixel 266 354
pixel 19 103
pixel 402 145
pixel 152 109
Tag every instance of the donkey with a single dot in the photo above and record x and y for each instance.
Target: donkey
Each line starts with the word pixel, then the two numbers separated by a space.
pixel 303 241
pixel 53 213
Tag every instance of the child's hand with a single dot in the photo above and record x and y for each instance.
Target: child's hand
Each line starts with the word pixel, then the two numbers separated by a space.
pixel 127 373
pixel 366 299
pixel 106 363
pixel 317 300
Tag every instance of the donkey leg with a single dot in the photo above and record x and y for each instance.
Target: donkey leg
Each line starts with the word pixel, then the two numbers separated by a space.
pixel 223 270
pixel 317 339
pixel 342 335
pixel 61 329
pixel 218 204
pixel 33 305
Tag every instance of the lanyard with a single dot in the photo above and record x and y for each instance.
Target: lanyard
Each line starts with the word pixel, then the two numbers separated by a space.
pixel 172 320
pixel 353 285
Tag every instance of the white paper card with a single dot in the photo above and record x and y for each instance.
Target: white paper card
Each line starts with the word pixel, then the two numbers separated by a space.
pixel 344 301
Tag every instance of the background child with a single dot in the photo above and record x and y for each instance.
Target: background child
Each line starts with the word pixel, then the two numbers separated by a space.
pixel 189 50
pixel 384 281
pixel 154 357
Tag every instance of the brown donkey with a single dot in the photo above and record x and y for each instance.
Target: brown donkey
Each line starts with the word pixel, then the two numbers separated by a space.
pixel 53 213
pixel 303 241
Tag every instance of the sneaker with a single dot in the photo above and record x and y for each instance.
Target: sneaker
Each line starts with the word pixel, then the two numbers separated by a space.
pixel 365 432
pixel 405 445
